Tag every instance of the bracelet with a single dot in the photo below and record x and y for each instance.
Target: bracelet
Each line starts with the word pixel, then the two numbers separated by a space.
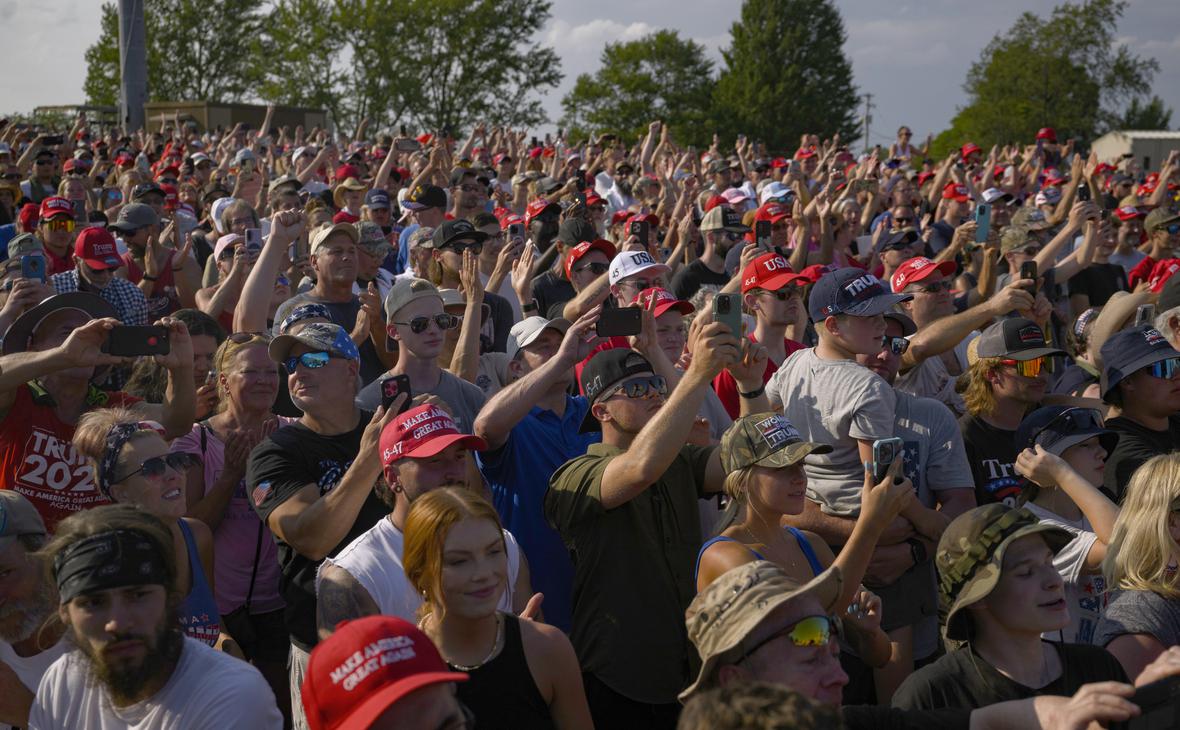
pixel 148 278
pixel 530 307
pixel 753 393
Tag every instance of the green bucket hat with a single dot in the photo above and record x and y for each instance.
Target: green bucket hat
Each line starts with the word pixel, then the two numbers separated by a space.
pixel 765 439
pixel 971 555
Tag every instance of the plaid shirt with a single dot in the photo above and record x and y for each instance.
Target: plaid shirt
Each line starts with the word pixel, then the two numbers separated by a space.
pixel 126 297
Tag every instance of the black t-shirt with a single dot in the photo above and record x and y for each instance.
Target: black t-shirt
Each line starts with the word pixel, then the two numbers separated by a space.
pixel 549 289
pixel 991 452
pixel 1099 282
pixel 293 457
pixel 963 680
pixel 502 320
pixel 1137 444
pixel 876 717
pixel 688 279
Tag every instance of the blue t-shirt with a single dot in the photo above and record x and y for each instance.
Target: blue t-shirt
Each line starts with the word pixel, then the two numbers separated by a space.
pixel 403 248
pixel 519 473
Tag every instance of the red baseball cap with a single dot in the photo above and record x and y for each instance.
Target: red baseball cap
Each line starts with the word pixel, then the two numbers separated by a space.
pixel 770 271
pixel 29 216
pixel 345 217
pixel 124 159
pixel 715 201
pixel 577 252
pixel 1161 272
pixel 366 667
pixel 96 246
pixel 651 218
pixel 421 432
pixel 779 162
pixel 804 152
pixel 815 272
pixel 168 167
pixel 957 192
pixel 346 171
pixel 773 212
pixel 917 269
pixel 923 177
pixel 53 207
pixel 424 138
pixel 1129 212
pixel 171 196
pixel 510 219
pixel 968 149
pixel 593 199
pixel 70 166
pixel 619 216
pixel 1047 133
pixel 500 157
pixel 536 208
pixel 665 300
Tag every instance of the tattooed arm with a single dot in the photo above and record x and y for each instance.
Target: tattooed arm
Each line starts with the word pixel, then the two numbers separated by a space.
pixel 339 597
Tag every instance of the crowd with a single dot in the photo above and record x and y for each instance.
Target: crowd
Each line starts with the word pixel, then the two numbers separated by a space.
pixel 301 430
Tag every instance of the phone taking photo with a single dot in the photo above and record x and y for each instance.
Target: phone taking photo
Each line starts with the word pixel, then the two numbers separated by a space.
pixel 391 388
pixel 137 341
pixel 253 240
pixel 727 309
pixel 885 452
pixel 640 229
pixel 1028 270
pixel 983 222
pixel 619 322
pixel 32 266
pixel 762 234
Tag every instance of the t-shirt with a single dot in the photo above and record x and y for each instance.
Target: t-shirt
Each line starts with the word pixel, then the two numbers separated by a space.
pixel 1084 592
pixel 281 466
pixel 519 473
pixel 343 314
pixel 464 399
pixel 236 537
pixel 208 690
pixel 726 386
pixel 38 460
pixel 550 289
pixel 689 279
pixel 1128 260
pixel 375 560
pixel 29 670
pixel 1137 443
pixel 931 379
pixel 991 453
pixel 962 679
pixel 633 571
pixel 164 299
pixel 834 402
pixel 1099 282
pixel 1139 612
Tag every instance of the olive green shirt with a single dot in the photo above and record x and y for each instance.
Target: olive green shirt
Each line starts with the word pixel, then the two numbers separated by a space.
pixel 633 571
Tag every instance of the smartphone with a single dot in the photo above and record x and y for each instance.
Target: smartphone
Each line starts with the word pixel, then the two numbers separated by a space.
pixel 79 210
pixel 211 378
pixel 762 234
pixel 640 229
pixel 254 240
pixel 885 451
pixel 407 145
pixel 619 322
pixel 983 221
pixel 136 341
pixel 32 266
pixel 515 230
pixel 293 252
pixel 1159 703
pixel 727 309
pixel 1144 315
pixel 391 388
pixel 53 139
pixel 1028 270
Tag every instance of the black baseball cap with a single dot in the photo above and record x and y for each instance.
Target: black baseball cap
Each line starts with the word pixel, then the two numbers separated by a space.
pixel 459 229
pixel 1129 351
pixel 425 196
pixel 899 238
pixel 609 367
pixel 1056 428
pixel 1015 338
pixel 139 192
pixel 851 291
pixel 575 230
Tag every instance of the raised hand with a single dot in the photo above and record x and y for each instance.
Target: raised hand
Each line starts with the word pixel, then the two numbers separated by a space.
pixel 180 353
pixel 83 348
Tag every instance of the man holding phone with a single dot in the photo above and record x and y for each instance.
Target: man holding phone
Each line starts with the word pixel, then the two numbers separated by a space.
pixel 96 259
pixel 721 230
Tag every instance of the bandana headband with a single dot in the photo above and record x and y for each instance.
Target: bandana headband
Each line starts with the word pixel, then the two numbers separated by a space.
pixel 113 559
pixel 117 438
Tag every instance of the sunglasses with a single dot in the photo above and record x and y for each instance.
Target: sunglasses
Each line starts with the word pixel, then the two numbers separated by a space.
pixel 460 246
pixel 1164 369
pixel 936 288
pixel 310 360
pixel 896 345
pixel 1067 423
pixel 903 220
pixel 813 631
pixel 444 321
pixel 642 284
pixel 155 467
pixel 638 388
pixel 66 224
pixel 784 294
pixel 1174 228
pixel 598 269
pixel 731 236
pixel 1027 368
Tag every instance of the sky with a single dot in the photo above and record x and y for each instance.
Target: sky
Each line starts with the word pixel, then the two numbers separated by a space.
pixel 911 56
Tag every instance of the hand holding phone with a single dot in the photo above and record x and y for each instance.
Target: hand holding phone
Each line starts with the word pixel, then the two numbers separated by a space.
pixel 727 309
pixel 137 341
pixel 1028 270
pixel 983 222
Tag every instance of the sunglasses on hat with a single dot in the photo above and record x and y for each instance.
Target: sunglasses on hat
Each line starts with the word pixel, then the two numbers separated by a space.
pixel 1027 368
pixel 444 321
pixel 597 268
pixel 813 631
pixel 460 246
pixel 1066 423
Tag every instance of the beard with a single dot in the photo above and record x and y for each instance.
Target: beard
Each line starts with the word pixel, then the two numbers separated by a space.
pixel 26 616
pixel 125 682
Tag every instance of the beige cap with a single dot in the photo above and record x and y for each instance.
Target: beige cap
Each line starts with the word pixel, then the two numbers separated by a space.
pixel 320 235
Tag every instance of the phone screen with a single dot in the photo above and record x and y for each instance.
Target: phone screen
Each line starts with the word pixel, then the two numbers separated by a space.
pixel 619 322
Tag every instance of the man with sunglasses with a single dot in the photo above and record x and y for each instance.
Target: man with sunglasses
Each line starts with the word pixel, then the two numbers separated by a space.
pixel 1141 378
pixel 42 180
pixel 416 324
pixel 451 239
pixel 632 501
pixel 96 259
pixel 721 230
pixel 469 193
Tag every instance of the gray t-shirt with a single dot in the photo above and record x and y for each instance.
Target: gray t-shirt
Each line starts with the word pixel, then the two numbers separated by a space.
pixel 464 399
pixel 1085 593
pixel 834 402
pixel 1139 612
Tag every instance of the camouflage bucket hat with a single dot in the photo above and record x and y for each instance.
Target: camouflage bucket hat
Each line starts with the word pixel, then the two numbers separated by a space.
pixel 971 556
pixel 765 439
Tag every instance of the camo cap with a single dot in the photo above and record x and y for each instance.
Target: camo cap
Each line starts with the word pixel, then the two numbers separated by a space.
pixel 765 439
pixel 971 556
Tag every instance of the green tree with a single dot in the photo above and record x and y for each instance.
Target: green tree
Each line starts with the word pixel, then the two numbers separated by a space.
pixel 102 61
pixel 786 74
pixel 301 52
pixel 1065 71
pixel 659 76
pixel 1151 114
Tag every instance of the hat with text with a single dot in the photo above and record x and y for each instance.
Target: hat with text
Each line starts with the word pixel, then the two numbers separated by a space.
pixel 630 263
pixel 1015 338
pixel 723 218
pixel 851 291
pixel 955 191
pixel 765 439
pixel 425 196
pixel 917 269
pixel 326 337
pixel 527 330
pixel 422 432
pixel 770 271
pixel 608 367
pixel 377 199
pixel 96 247
pixel 575 254
pixel 1129 351
pixel 55 207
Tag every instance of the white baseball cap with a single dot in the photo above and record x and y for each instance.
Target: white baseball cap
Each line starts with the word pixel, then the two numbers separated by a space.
pixel 773 191
pixel 524 332
pixel 630 263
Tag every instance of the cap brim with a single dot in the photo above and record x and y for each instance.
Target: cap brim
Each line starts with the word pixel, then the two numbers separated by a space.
pixel 1106 437
pixel 435 445
pixel 475 236
pixel 373 706
pixel 103 264
pixel 679 305
pixel 16 339
pixel 879 304
pixel 1032 354
pixel 793 454
pixel 1124 372
pixel 777 282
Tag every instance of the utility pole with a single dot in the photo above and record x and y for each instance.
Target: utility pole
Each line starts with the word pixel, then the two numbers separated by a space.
pixel 132 65
pixel 868 118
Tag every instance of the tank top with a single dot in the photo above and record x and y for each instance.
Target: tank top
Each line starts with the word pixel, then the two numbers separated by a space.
pixel 198 611
pixel 503 693
pixel 804 545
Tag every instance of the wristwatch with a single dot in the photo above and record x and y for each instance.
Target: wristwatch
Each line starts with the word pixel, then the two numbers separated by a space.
pixel 917 550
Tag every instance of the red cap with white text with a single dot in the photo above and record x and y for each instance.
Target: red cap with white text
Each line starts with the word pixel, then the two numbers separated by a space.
pixel 422 432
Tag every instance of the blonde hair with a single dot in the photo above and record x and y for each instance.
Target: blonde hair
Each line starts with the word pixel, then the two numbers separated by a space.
pixel 430 521
pixel 226 352
pixel 90 437
pixel 976 388
pixel 1141 544
pixel 737 484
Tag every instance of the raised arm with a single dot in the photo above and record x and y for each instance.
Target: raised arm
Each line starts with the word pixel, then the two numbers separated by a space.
pixel 339 597
pixel 179 408
pixel 254 303
pixel 944 334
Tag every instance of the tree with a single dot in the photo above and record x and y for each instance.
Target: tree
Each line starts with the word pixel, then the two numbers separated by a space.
pixel 302 48
pixel 1148 115
pixel 786 74
pixel 102 61
pixel 659 76
pixel 1065 72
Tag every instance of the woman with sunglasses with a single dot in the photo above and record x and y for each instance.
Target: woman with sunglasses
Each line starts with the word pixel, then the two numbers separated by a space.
pixel 1063 458
pixel 1001 593
pixel 1142 618
pixel 521 674
pixel 245 566
pixel 132 465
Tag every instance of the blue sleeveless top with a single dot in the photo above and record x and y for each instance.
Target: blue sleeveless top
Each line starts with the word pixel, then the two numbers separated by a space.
pixel 198 612
pixel 804 545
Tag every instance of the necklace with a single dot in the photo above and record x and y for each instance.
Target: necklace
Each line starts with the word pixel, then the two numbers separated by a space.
pixel 496 645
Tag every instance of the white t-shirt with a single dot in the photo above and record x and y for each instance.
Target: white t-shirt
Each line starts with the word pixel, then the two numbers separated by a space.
pixel 1085 594
pixel 375 560
pixel 208 690
pixel 30 669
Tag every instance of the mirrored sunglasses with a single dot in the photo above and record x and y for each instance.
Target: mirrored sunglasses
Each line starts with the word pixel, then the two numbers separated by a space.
pixel 310 360
pixel 444 322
